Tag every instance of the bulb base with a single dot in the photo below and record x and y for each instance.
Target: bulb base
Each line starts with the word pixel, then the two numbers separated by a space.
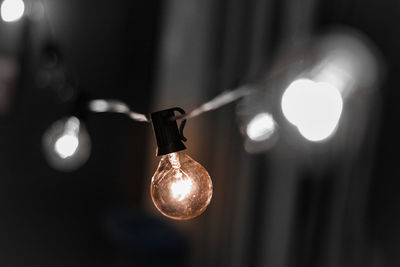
pixel 169 139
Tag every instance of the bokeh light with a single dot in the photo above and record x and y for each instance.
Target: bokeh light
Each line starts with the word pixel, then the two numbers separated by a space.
pixel 314 107
pixel 12 10
pixel 261 127
pixel 66 144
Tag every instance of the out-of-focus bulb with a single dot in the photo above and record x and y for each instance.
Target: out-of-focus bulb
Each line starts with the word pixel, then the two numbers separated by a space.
pixel 12 10
pixel 181 188
pixel 261 127
pixel 66 144
pixel 314 107
pixel 256 122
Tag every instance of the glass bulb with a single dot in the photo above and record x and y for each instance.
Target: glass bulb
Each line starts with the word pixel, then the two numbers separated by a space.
pixel 66 144
pixel 181 188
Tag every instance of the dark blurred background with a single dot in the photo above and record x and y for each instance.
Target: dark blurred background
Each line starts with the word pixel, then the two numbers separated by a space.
pixel 333 203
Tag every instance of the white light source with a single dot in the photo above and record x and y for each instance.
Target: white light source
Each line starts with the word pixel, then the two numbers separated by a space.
pixel 181 187
pixel 12 10
pixel 261 127
pixel 66 144
pixel 314 107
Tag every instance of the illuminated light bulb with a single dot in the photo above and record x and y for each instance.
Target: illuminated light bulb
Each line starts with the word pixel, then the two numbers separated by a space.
pixel 256 122
pixel 180 188
pixel 66 144
pixel 261 127
pixel 314 107
pixel 12 10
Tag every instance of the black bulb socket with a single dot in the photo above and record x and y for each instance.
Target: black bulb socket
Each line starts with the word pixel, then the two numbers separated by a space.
pixel 169 138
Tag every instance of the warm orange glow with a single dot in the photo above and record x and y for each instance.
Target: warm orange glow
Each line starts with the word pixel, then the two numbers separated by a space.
pixel 181 188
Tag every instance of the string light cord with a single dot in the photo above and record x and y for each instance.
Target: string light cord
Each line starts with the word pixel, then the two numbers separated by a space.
pixel 217 102
pixel 117 106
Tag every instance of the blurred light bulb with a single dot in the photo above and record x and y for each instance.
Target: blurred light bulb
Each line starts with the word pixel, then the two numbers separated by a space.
pixel 66 144
pixel 12 10
pixel 181 188
pixel 256 122
pixel 314 107
pixel 261 127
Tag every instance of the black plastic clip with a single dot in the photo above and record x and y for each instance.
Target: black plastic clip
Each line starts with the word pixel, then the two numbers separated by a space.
pixel 183 123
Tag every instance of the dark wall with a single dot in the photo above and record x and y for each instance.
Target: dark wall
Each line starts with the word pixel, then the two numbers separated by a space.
pixel 378 20
pixel 107 50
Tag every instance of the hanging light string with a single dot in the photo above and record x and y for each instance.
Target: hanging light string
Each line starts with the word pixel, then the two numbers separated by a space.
pixel 117 106
pixel 226 97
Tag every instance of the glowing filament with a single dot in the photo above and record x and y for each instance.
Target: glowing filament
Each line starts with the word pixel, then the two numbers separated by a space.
pixel 181 187
pixel 174 160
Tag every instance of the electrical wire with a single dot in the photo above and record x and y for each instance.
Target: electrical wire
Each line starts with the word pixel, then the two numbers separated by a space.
pixel 220 100
pixel 117 106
